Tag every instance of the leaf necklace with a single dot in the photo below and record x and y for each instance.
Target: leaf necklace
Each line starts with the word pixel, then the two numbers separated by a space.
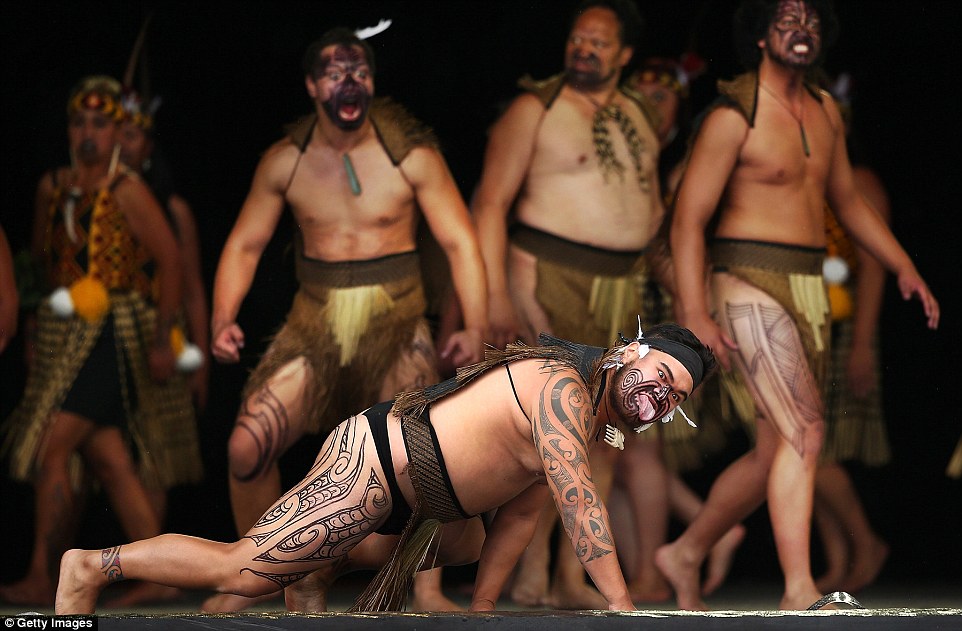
pixel 602 140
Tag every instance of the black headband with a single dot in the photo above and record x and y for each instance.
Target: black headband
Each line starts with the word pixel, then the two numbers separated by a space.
pixel 684 354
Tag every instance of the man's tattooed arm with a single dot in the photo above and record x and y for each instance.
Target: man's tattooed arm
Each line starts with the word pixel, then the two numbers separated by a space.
pixel 563 425
pixel 561 434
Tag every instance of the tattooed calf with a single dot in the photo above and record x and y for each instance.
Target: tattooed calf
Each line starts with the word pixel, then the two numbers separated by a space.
pixel 110 564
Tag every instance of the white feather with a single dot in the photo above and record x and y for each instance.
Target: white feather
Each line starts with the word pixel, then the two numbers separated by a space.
pixel 371 31
pixel 690 422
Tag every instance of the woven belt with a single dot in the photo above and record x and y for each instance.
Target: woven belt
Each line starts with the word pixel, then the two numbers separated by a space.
pixel 430 483
pixel 774 257
pixel 587 258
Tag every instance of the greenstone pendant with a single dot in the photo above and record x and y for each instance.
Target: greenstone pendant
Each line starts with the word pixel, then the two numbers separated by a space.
pixel 351 175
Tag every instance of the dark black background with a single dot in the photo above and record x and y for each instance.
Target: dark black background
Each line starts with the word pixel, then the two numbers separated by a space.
pixel 229 75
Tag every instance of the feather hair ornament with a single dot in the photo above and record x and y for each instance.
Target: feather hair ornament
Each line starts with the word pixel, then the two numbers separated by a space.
pixel 135 58
pixel 138 104
pixel 371 31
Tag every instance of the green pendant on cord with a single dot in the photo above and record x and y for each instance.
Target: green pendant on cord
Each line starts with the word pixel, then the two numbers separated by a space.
pixel 351 175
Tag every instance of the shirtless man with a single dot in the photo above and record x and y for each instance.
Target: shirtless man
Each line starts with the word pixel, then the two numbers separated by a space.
pixel 355 175
pixel 537 419
pixel 576 158
pixel 767 160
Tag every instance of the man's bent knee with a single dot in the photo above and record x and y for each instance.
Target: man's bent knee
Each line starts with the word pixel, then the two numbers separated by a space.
pixel 813 438
pixel 270 420
pixel 248 455
pixel 234 574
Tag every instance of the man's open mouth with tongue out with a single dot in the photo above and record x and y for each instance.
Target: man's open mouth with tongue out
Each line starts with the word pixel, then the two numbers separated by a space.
pixel 646 408
pixel 638 400
pixel 650 379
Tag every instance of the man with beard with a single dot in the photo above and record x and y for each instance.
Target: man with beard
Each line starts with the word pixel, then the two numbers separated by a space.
pixel 422 465
pixel 766 161
pixel 354 174
pixel 575 157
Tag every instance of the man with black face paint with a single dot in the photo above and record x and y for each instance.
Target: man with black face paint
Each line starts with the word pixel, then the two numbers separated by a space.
pixel 349 99
pixel 505 434
pixel 355 175
pixel 575 159
pixel 766 160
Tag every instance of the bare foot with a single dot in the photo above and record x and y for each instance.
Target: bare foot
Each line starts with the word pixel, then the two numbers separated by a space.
pixel 649 590
pixel 577 596
pixel 428 593
pixel 80 582
pixel 432 600
pixel 29 591
pixel 831 580
pixel 720 559
pixel 802 599
pixel 228 603
pixel 143 593
pixel 866 566
pixel 530 585
pixel 308 595
pixel 682 572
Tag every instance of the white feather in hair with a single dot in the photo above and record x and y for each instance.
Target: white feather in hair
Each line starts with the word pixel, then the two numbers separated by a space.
pixel 371 31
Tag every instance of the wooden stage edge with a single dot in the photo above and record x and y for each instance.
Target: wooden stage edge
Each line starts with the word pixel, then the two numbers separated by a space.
pixel 861 619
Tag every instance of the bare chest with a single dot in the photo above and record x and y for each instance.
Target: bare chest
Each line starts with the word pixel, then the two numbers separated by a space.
pixel 579 138
pixel 359 189
pixel 788 151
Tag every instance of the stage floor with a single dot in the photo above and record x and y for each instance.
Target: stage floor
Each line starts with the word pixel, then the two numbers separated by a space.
pixel 737 605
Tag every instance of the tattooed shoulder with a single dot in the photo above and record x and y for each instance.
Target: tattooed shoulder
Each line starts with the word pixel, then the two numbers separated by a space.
pixel 565 406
